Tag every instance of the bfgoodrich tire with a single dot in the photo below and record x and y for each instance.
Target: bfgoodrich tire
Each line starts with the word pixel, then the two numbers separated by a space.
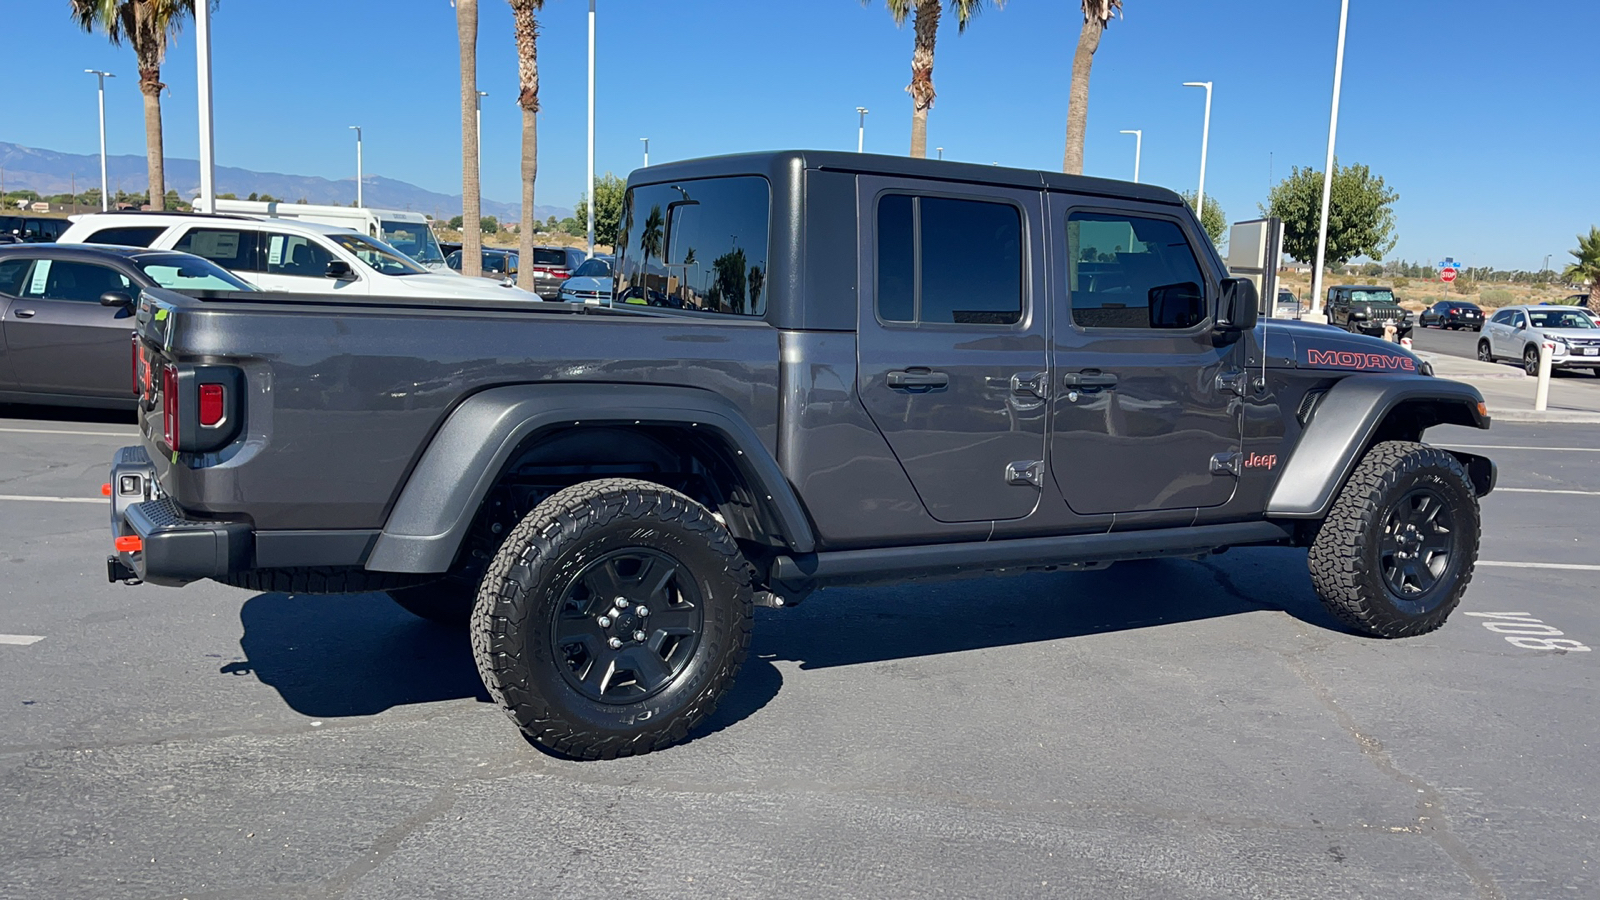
pixel 1397 550
pixel 613 619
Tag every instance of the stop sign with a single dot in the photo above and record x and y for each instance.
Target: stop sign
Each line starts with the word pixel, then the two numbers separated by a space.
pixel 1447 275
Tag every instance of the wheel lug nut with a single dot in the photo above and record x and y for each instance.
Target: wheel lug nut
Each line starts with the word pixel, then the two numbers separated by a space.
pixel 605 621
pixel 616 643
pixel 639 636
pixel 622 603
pixel 643 610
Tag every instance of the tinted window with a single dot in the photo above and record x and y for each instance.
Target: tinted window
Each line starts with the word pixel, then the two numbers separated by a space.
pixel 1503 317
pixel 181 274
pixel 697 244
pixel 12 270
pixel 59 279
pixel 40 231
pixel 544 256
pixel 897 259
pixel 593 268
pixel 1121 267
pixel 230 248
pixel 949 262
pixel 294 254
pixel 127 236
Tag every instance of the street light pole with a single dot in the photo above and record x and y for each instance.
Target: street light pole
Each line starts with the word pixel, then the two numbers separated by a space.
pixel 104 186
pixel 202 45
pixel 861 130
pixel 592 197
pixel 646 151
pixel 1327 173
pixel 1205 142
pixel 357 129
pixel 1138 149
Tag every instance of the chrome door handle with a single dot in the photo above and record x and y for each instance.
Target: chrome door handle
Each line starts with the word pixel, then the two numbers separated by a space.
pixel 23 313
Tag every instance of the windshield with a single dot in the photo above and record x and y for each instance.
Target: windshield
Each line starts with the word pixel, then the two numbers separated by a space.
pixel 192 274
pixel 1565 318
pixel 593 268
pixel 414 239
pixel 1372 297
pixel 378 256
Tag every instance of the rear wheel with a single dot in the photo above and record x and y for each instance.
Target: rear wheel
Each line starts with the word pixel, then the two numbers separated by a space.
pixel 1484 353
pixel 1397 550
pixel 613 619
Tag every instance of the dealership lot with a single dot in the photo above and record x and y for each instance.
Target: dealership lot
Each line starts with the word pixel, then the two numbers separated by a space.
pixel 1186 729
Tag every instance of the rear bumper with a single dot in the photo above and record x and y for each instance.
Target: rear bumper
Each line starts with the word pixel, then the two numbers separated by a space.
pixel 172 549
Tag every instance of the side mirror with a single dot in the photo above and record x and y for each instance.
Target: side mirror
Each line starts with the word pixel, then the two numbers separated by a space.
pixel 118 299
pixel 338 268
pixel 1237 309
pixel 1181 305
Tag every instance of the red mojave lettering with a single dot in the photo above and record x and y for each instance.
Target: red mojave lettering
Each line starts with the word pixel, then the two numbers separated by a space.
pixel 1349 359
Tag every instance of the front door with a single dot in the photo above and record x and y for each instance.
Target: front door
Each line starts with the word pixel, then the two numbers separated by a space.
pixel 1147 402
pixel 952 359
pixel 60 340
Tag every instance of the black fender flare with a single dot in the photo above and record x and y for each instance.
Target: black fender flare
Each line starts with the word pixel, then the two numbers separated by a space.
pixel 437 505
pixel 1346 422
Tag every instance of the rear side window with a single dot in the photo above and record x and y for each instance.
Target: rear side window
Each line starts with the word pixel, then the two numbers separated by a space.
pixel 946 261
pixel 1127 271
pixel 233 249
pixel 126 236
pixel 698 244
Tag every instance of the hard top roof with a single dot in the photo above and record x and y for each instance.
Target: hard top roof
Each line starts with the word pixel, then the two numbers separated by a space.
pixel 774 162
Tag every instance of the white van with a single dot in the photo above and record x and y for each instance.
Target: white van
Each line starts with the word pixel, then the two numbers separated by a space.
pixel 408 232
pixel 289 255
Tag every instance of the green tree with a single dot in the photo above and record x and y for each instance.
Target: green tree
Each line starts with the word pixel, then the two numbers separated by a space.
pixel 1096 16
pixel 491 225
pixel 147 25
pixel 925 30
pixel 758 280
pixel 454 224
pixel 1360 214
pixel 608 193
pixel 731 280
pixel 1214 220
pixel 1586 268
pixel 571 225
pixel 526 26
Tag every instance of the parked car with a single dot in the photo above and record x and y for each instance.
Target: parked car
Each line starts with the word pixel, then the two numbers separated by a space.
pixel 66 315
pixel 496 263
pixel 31 229
pixel 1452 314
pixel 1516 331
pixel 603 498
pixel 409 232
pixel 1366 309
pixel 590 283
pixel 552 266
pixel 288 255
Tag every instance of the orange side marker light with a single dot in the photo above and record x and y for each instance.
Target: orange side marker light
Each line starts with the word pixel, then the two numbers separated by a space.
pixel 129 543
pixel 105 490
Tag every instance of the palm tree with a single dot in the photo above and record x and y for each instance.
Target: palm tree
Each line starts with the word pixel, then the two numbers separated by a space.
pixel 471 197
pixel 650 245
pixel 527 28
pixel 147 25
pixel 1587 267
pixel 758 280
pixel 1096 16
pixel 926 29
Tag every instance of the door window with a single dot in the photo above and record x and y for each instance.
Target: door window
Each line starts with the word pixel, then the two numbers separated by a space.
pixel 58 279
pixel 231 248
pixel 1503 317
pixel 293 254
pixel 943 261
pixel 1132 272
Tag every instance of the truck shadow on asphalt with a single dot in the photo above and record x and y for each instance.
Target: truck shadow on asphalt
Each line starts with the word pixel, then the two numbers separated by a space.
pixel 359 655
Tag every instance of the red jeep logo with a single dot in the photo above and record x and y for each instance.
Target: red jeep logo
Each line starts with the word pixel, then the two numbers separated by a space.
pixel 1349 359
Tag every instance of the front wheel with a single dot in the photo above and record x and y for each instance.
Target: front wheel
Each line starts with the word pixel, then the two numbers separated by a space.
pixel 1484 353
pixel 1397 550
pixel 613 619
pixel 1530 360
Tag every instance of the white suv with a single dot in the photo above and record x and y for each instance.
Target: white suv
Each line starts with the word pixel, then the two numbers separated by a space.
pixel 295 256
pixel 1515 332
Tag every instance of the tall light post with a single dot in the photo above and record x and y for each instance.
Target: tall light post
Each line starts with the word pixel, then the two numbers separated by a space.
pixel 591 128
pixel 202 49
pixel 357 130
pixel 1138 149
pixel 861 129
pixel 646 151
pixel 1327 173
pixel 940 151
pixel 104 186
pixel 1205 142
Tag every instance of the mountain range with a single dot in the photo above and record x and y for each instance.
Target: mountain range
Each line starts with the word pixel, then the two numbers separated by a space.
pixel 49 172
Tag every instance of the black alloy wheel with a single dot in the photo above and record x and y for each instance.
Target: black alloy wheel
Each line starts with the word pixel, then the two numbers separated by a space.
pixel 1416 548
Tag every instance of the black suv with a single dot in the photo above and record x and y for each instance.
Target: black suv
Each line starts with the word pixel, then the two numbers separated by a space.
pixel 1367 309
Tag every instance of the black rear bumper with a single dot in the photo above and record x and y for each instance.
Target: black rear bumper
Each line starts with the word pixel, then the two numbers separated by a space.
pixel 173 549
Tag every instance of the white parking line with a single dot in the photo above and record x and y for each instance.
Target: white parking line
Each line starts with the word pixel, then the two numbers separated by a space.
pixel 52 499
pixel 21 640
pixel 1577 567
pixel 132 434
pixel 1546 491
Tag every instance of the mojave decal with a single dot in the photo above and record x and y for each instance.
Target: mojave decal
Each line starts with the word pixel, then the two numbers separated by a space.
pixel 1356 359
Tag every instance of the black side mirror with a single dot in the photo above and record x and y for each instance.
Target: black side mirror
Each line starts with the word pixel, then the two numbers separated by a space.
pixel 118 299
pixel 338 268
pixel 1237 309
pixel 1181 305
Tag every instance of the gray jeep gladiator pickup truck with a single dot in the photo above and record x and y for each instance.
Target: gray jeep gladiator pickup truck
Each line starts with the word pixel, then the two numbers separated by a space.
pixel 841 369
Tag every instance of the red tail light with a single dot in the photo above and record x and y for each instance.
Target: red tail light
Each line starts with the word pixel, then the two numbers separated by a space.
pixel 169 407
pixel 213 405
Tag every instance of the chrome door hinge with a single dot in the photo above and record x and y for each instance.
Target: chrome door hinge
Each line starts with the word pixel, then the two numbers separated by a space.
pixel 1233 382
pixel 1026 471
pixel 1229 463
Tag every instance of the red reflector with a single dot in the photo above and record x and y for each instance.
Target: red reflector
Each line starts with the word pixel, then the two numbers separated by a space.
pixel 105 490
pixel 129 543
pixel 212 404
pixel 169 407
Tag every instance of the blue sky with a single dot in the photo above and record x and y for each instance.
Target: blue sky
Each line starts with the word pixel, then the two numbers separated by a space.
pixel 1481 120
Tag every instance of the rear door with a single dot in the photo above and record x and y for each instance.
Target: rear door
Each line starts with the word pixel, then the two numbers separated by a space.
pixel 236 249
pixel 1147 405
pixel 299 264
pixel 952 364
pixel 60 340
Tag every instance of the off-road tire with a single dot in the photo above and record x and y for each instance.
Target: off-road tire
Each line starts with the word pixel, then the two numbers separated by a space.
pixel 322 580
pixel 1346 559
pixel 526 595
pixel 447 601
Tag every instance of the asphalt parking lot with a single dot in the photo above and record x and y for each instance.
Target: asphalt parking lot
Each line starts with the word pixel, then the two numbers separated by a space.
pixel 1175 729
